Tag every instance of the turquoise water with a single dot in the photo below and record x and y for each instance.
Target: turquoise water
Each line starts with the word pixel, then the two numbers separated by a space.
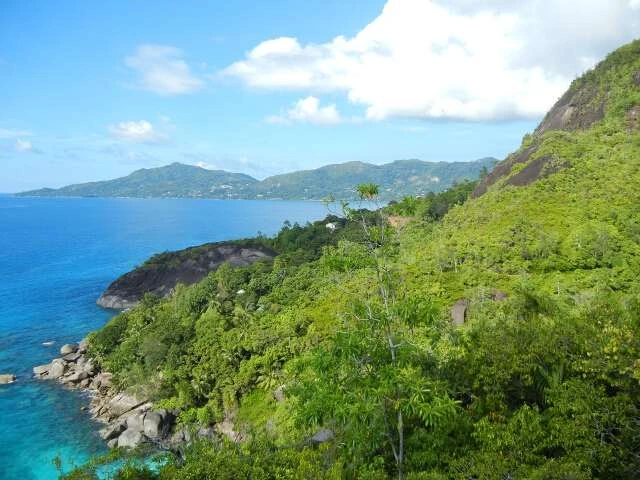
pixel 56 257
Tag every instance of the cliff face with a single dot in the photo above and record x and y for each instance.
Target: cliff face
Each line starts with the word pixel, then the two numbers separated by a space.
pixel 608 93
pixel 160 274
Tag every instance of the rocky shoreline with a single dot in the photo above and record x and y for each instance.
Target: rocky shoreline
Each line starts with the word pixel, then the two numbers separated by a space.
pixel 129 420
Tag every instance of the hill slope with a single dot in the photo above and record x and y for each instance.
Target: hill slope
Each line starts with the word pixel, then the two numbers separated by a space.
pixel 397 179
pixel 541 380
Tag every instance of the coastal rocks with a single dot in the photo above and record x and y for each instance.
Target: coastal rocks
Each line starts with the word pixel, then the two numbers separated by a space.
pixel 129 418
pixel 57 368
pixel 6 378
pixel 123 403
pixel 156 423
pixel 160 274
pixel 75 377
pixel 41 370
pixel 130 438
pixel 69 348
pixel 112 430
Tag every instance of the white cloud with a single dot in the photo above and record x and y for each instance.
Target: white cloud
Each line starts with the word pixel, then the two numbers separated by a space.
pixel 137 131
pixel 8 133
pixel 24 146
pixel 455 59
pixel 308 110
pixel 162 70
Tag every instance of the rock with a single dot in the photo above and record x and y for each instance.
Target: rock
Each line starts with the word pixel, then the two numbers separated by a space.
pixel 68 348
pixel 459 312
pixel 112 430
pixel 323 436
pixel 41 370
pixel 6 378
pixel 89 367
pixel 157 423
pixel 75 377
pixel 498 296
pixel 83 345
pixel 123 403
pixel 58 367
pixel 84 383
pixel 113 443
pixel 161 274
pixel 103 380
pixel 130 438
pixel 135 422
pixel 71 357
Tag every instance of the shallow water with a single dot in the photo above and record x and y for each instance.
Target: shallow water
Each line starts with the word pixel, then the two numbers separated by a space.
pixel 56 256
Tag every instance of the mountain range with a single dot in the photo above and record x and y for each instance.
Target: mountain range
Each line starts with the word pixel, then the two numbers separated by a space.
pixel 396 179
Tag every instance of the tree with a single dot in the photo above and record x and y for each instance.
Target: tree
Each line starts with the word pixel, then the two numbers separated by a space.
pixel 369 382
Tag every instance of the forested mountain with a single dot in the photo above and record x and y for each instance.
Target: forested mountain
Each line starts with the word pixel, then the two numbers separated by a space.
pixel 397 179
pixel 175 180
pixel 491 336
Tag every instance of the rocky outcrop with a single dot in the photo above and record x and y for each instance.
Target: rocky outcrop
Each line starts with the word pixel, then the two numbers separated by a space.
pixel 160 274
pixel 6 378
pixel 69 348
pixel 129 419
pixel 584 104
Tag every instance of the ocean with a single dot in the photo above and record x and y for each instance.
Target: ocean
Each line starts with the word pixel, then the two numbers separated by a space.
pixel 56 256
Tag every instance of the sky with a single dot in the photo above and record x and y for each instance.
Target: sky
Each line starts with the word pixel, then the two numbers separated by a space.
pixel 94 90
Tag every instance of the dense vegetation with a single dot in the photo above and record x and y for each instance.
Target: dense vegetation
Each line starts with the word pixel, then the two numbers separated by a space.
pixel 397 179
pixel 541 382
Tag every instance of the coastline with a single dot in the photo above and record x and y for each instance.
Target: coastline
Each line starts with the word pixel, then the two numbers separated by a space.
pixel 128 420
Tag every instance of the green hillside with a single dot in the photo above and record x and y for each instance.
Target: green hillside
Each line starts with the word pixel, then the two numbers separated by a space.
pixel 540 381
pixel 397 179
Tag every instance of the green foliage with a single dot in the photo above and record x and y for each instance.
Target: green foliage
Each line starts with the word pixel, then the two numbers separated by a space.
pixel 433 206
pixel 541 382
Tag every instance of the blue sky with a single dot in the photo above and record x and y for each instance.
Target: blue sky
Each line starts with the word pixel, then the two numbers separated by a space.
pixel 93 90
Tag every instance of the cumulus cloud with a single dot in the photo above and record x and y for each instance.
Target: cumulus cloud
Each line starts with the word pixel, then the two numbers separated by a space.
pixel 162 69
pixel 308 110
pixel 137 132
pixel 454 59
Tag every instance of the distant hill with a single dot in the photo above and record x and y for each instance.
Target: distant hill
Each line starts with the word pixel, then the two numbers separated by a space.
pixel 396 179
pixel 175 180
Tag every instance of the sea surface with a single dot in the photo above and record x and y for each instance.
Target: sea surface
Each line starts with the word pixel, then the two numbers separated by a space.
pixel 56 256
